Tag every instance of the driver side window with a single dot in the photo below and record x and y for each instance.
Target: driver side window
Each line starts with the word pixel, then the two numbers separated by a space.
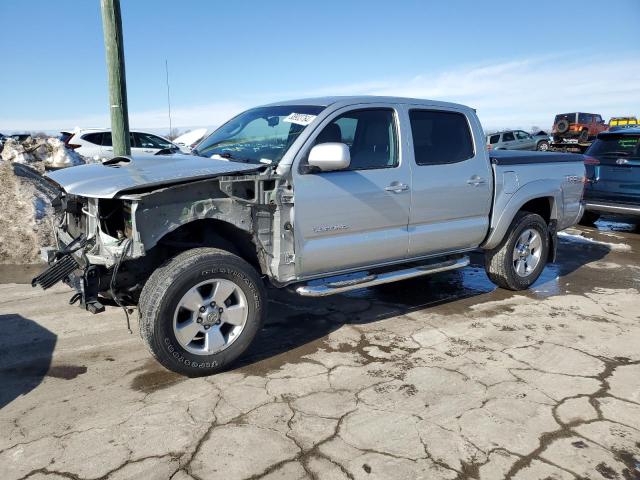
pixel 369 134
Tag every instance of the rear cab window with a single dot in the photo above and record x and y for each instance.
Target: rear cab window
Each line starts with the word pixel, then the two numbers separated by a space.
pixel 493 139
pixel 440 137
pixel 569 117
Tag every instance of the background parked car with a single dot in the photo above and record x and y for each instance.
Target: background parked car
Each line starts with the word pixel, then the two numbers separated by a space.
pixel 187 141
pixel 577 125
pixel 96 143
pixel 613 170
pixel 518 140
pixel 620 123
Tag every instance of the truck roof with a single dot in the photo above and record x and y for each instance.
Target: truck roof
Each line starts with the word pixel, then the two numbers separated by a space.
pixel 359 99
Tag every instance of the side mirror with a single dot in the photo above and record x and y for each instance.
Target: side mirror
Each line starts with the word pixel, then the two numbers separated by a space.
pixel 330 156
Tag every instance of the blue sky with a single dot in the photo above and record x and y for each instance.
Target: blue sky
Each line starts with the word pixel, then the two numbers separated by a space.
pixel 518 65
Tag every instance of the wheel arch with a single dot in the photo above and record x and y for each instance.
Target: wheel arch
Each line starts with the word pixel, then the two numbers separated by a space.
pixel 210 232
pixel 534 197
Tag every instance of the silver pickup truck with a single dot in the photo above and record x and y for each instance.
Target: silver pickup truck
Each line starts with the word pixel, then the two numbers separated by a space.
pixel 320 195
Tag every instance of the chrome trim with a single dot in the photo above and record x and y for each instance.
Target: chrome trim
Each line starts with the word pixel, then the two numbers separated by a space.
pixel 612 208
pixel 331 288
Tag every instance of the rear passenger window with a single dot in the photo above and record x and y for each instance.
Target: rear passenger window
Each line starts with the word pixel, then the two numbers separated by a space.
pixel 95 138
pixel 440 137
pixel 508 137
pixel 370 136
pixel 494 139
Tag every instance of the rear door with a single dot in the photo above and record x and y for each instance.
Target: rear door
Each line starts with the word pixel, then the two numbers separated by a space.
pixel 617 178
pixel 509 141
pixel 357 217
pixel 452 183
pixel 107 145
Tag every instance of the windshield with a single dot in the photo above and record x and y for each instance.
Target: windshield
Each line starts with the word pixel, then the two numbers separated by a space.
pixel 615 145
pixel 570 117
pixel 259 135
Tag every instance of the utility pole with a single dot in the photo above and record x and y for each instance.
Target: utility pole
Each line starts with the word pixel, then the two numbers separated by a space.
pixel 113 43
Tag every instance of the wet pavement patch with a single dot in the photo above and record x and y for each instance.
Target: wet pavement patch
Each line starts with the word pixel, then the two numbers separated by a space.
pixel 154 377
pixel 66 372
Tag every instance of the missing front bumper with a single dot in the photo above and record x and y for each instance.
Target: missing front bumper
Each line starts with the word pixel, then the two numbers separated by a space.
pixel 64 267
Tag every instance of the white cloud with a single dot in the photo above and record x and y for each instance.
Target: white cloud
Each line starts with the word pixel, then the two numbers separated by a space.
pixel 516 94
pixel 530 92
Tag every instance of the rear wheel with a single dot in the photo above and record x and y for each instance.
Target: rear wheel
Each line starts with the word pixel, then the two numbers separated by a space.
pixel 584 136
pixel 518 261
pixel 201 311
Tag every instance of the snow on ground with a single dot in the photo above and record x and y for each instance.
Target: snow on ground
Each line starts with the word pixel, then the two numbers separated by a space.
pixel 25 223
pixel 619 247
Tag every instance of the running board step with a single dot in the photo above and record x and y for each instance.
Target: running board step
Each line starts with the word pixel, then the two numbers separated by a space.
pixel 345 283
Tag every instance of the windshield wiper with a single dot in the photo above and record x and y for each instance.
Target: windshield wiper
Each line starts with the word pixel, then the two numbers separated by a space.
pixel 230 156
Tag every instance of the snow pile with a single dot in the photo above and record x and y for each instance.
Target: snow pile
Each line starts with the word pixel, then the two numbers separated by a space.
pixel 25 223
pixel 25 197
pixel 38 152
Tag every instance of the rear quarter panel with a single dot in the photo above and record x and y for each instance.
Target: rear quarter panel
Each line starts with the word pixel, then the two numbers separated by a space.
pixel 561 183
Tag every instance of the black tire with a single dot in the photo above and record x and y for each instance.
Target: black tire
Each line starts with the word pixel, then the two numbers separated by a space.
pixel 165 288
pixel 589 218
pixel 562 126
pixel 499 262
pixel 584 136
pixel 543 146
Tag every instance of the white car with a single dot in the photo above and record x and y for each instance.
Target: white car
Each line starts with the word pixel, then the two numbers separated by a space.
pixel 96 143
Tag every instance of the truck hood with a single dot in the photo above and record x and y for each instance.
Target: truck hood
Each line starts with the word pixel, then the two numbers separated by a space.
pixel 122 174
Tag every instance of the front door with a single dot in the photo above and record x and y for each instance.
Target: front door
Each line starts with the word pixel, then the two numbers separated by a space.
pixel 452 184
pixel 357 217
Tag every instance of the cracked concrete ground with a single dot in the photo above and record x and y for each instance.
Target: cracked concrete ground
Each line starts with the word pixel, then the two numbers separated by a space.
pixel 441 378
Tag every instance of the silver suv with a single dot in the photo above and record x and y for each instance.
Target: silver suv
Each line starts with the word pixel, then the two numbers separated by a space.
pixel 518 140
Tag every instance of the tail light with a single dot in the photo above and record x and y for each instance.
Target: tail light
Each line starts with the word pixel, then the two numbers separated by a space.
pixel 72 146
pixel 489 147
pixel 590 160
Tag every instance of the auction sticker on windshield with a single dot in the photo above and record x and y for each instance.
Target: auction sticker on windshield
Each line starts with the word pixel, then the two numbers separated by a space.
pixel 299 118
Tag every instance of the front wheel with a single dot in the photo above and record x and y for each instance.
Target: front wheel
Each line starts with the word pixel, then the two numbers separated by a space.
pixel 543 146
pixel 201 311
pixel 518 261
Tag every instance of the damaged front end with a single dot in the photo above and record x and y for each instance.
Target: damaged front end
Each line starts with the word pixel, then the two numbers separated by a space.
pixel 92 236
pixel 111 235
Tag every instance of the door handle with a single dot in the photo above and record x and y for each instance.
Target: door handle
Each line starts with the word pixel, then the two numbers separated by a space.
pixel 397 187
pixel 476 181
pixel 148 150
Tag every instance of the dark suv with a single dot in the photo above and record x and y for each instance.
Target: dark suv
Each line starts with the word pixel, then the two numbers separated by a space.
pixel 582 126
pixel 613 170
